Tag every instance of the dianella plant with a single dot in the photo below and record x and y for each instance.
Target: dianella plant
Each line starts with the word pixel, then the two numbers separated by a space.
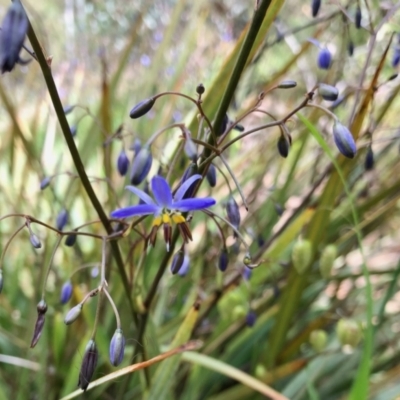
pixel 199 200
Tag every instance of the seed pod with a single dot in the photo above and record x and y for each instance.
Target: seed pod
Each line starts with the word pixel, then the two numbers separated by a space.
pixel 177 261
pixel 70 240
pixel 324 59
pixel 328 92
pixel 369 159
pixel 233 213
pixel 344 140
pixel 62 219
pixel 14 27
pixel 66 292
pixel 283 146
pixel 251 318
pixel 328 257
pixel 41 310
pixel 141 166
pixel 117 348
pixel 200 88
pixel 302 255
pixel 122 163
pixel 223 260
pixel 211 175
pixel 358 17
pixel 315 6
pixel 88 366
pixel 142 108
pixel 287 84
pixel 35 241
pixel 73 314
pixel 318 340
pixel 185 266
pixel 348 332
pixel 45 182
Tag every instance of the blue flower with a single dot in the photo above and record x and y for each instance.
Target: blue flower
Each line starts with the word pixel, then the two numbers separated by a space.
pixel 166 208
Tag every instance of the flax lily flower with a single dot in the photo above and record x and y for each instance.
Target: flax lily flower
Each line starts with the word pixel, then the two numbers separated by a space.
pixel 166 208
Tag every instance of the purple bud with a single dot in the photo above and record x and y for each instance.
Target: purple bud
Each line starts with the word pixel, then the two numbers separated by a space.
pixel 396 57
pixel 315 6
pixel 70 240
pixel 66 292
pixel 68 109
pixel 73 129
pixel 232 211
pixel 88 366
pixel 94 272
pixel 41 310
pixel 44 183
pixel 185 266
pixel 369 160
pixel 328 92
pixel 73 314
pixel 14 27
pixel 324 59
pixel 142 108
pixel 344 140
pixel 35 241
pixel 211 175
pixel 283 146
pixel 224 125
pixel 141 166
pixel 191 170
pixel 190 148
pixel 358 17
pixel 223 260
pixel 177 261
pixel 62 219
pixel 136 146
pixel 122 163
pixel 247 272
pixel 260 240
pixel 117 348
pixel 251 318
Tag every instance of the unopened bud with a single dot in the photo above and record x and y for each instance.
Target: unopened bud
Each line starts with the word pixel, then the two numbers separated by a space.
pixel 88 366
pixel 200 88
pixel 318 340
pixel 233 213
pixel 224 125
pixel 358 17
pixel 35 241
pixel 328 92
pixel 251 318
pixel 45 182
pixel 223 260
pixel 328 257
pixel 324 58
pixel 141 166
pixel 41 310
pixel 344 140
pixel 283 146
pixel 73 314
pixel 287 84
pixel 62 219
pixel 66 292
pixel 369 160
pixel 185 266
pixel 70 240
pixel 190 147
pixel 122 163
pixel 68 109
pixel 301 255
pixel 73 129
pixel 211 175
pixel 117 348
pixel 315 6
pixel 142 108
pixel 348 332
pixel 191 170
pixel 177 261
pixel 350 48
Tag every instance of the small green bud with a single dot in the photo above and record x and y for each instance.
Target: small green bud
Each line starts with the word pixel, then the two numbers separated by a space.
pixel 301 255
pixel 73 314
pixel 318 340
pixel 238 312
pixel 348 332
pixel 260 371
pixel 328 257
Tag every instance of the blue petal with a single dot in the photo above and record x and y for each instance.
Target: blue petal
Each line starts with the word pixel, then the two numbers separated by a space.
pixel 185 186
pixel 141 194
pixel 161 191
pixel 141 209
pixel 194 204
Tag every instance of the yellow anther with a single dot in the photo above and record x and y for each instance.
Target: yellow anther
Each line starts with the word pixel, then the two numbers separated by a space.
pixel 166 219
pixel 178 219
pixel 157 221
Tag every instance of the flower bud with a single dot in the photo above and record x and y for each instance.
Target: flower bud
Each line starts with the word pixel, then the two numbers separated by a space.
pixel 122 163
pixel 117 348
pixel 191 170
pixel 211 175
pixel 328 257
pixel 190 147
pixel 223 260
pixel 247 272
pixel 88 366
pixel 348 332
pixel 396 57
pixel 185 266
pixel 142 108
pixel 41 310
pixel 177 261
pixel 358 17
pixel 66 292
pixel 239 127
pixel 287 84
pixel 73 314
pixel 73 129
pixel 14 27
pixel 301 255
pixel 315 6
pixel 200 88
pixel 70 240
pixel 350 48
pixel 318 340
pixel 35 241
pixel 136 146
pixel 45 182
pixel 1 280
pixel 283 146
pixel 141 166
pixel 324 58
pixel 251 318
pixel 344 140
pixel 328 92
pixel 62 219
pixel 68 109
pixel 279 209
pixel 224 125
pixel 369 160
pixel 232 211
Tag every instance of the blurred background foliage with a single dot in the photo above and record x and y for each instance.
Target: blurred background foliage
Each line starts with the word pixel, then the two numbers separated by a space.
pixel 255 330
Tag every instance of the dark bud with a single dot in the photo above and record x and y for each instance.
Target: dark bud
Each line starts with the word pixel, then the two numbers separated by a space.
pixel 177 261
pixel 73 314
pixel 141 166
pixel 324 59
pixel 35 241
pixel 328 92
pixel 88 366
pixel 62 219
pixel 212 175
pixel 1 280
pixel 279 209
pixel 185 266
pixel 122 163
pixel 191 170
pixel 260 240
pixel 350 48
pixel 232 211
pixel 283 146
pixel 117 348
pixel 14 27
pixel 251 318
pixel 223 260
pixel 393 77
pixel 136 146
pixel 369 160
pixel 200 88
pixel 315 6
pixel 247 272
pixel 45 182
pixel 239 128
pixel 142 108
pixel 224 125
pixel 74 130
pixel 287 84
pixel 66 292
pixel 396 57
pixel 68 109
pixel 358 17
pixel 70 240
pixel 41 310
pixel 344 140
